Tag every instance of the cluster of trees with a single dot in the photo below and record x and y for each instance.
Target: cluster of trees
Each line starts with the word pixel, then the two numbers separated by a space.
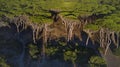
pixel 106 13
pixel 107 10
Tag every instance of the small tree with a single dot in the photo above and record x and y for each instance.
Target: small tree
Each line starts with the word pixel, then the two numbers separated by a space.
pixel 96 61
pixel 33 50
pixel 70 56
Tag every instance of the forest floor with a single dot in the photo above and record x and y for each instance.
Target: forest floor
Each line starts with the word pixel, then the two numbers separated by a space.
pixel 111 59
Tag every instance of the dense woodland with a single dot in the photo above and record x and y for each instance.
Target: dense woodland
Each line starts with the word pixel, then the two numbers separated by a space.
pixel 63 30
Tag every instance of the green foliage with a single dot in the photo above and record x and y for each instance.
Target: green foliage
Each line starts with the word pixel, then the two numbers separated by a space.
pixel 33 50
pixel 96 61
pixel 62 43
pixel 112 22
pixel 72 8
pixel 51 51
pixel 36 10
pixel 92 27
pixel 3 62
pixel 73 53
pixel 70 56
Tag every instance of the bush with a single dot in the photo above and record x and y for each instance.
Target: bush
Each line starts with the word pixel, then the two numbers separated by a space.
pixel 96 61
pixel 33 50
pixel 3 62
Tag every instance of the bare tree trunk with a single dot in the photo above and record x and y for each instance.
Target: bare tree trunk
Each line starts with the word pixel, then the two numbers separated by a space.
pixel 105 39
pixel 45 29
pixel 108 41
pixel 90 36
pixel 113 37
pixel 69 27
pixel 35 34
pixel 36 29
pixel 43 53
pixel 74 65
pixel 21 22
pixel 87 40
pixel 102 38
pixel 117 39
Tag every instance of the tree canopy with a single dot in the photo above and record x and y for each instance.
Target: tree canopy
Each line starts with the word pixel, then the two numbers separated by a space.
pixel 37 10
